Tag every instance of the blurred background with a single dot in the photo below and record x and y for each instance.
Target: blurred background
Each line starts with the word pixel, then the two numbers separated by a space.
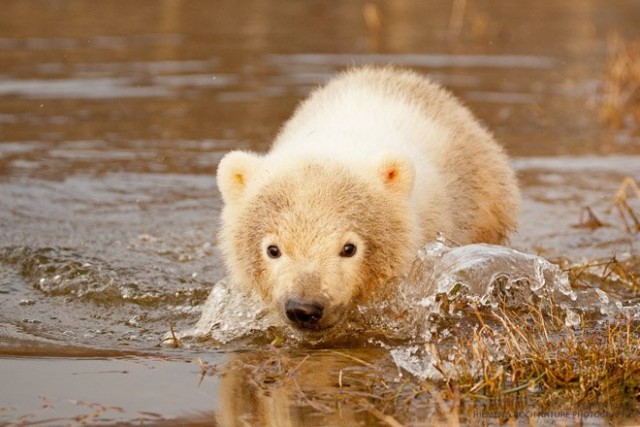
pixel 161 79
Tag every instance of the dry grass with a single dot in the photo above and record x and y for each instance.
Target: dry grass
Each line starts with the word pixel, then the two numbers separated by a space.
pixel 620 105
pixel 556 366
pixel 621 204
pixel 616 277
pixel 595 367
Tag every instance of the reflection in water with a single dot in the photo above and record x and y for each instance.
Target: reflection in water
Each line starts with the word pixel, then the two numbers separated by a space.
pixel 113 116
pixel 95 391
pixel 265 388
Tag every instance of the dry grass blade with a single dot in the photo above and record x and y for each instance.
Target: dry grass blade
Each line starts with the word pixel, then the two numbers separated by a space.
pixel 355 359
pixel 456 19
pixel 387 419
pixel 175 341
pixel 621 203
pixel 588 219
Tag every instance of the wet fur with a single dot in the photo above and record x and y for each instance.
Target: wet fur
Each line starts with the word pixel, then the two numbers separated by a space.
pixel 382 154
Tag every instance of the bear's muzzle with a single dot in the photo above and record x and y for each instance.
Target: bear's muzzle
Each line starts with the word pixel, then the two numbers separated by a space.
pixel 305 315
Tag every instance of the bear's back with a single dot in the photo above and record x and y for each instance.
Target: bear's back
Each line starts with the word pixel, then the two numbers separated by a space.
pixel 370 110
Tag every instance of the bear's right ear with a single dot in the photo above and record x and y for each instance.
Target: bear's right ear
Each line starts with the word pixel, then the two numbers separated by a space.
pixel 235 171
pixel 396 172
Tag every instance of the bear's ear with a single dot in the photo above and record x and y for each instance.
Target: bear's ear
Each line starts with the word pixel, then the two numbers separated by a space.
pixel 235 172
pixel 396 172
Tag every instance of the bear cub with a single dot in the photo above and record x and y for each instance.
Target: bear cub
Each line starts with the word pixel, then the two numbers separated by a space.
pixel 368 169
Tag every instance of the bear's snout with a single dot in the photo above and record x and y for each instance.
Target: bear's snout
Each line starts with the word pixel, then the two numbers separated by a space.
pixel 306 315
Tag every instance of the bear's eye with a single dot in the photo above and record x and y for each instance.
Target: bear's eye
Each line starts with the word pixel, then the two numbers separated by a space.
pixel 348 250
pixel 273 251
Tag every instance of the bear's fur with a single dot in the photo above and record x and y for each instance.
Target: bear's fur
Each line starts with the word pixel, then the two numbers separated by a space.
pixel 379 159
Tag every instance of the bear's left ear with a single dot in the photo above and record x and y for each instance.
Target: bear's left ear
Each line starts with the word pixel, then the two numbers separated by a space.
pixel 236 170
pixel 396 172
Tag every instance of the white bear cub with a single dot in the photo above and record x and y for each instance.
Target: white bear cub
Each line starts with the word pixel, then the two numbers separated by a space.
pixel 369 168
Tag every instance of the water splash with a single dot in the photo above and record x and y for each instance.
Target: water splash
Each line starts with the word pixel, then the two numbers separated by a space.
pixel 451 283
pixel 229 314
pixel 484 275
pixel 481 267
pixel 433 305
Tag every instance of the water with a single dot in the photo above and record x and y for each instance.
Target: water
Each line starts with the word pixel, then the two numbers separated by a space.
pixel 111 126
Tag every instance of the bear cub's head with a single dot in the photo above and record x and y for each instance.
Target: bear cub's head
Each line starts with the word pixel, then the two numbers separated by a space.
pixel 315 236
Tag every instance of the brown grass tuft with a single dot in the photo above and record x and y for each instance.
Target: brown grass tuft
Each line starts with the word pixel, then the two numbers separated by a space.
pixel 621 98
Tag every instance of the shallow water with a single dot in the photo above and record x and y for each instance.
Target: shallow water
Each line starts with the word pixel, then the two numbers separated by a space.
pixel 113 116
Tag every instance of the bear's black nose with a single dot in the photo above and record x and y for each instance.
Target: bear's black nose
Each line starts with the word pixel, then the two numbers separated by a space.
pixel 302 314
